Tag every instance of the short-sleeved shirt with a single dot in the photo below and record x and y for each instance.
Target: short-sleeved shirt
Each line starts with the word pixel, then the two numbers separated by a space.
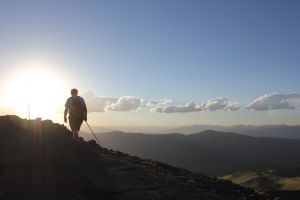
pixel 70 99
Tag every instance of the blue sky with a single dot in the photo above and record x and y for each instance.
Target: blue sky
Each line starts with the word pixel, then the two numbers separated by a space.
pixel 180 50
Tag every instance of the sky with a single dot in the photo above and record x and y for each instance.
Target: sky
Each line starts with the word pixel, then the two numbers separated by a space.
pixel 153 63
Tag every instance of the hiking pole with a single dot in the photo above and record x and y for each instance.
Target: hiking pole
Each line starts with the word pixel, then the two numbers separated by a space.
pixel 93 133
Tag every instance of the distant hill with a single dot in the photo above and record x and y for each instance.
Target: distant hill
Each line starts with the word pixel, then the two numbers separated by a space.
pixel 277 131
pixel 270 181
pixel 211 152
pixel 130 129
pixel 264 181
pixel 97 129
pixel 40 161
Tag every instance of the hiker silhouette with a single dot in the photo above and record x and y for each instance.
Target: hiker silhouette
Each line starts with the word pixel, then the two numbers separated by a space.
pixel 76 107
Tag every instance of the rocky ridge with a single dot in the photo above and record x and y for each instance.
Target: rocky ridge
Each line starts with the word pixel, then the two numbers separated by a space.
pixel 39 160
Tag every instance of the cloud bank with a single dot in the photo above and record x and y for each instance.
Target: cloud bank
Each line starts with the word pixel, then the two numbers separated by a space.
pixel 216 104
pixel 220 104
pixel 161 102
pixel 189 107
pixel 102 103
pixel 126 103
pixel 274 101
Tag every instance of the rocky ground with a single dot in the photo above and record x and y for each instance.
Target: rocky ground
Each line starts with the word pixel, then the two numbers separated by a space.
pixel 39 160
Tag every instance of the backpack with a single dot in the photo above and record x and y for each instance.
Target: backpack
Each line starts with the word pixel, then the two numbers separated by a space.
pixel 76 108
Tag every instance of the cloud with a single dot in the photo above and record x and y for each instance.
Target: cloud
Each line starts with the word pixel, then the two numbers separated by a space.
pixel 232 106
pixel 97 104
pixel 189 107
pixel 274 101
pixel 130 103
pixel 220 104
pixel 103 103
pixel 126 103
pixel 216 104
pixel 161 102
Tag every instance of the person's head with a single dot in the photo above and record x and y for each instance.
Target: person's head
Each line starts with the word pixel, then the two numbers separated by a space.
pixel 74 92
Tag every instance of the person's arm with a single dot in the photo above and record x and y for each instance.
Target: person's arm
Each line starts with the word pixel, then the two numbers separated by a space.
pixel 84 111
pixel 65 115
pixel 66 111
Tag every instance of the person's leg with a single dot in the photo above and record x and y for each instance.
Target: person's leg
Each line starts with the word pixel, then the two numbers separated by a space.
pixel 75 125
pixel 77 130
pixel 75 135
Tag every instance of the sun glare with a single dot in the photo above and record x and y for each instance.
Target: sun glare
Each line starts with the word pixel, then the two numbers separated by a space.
pixel 36 93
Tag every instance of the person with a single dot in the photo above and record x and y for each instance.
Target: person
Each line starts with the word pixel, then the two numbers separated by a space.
pixel 77 110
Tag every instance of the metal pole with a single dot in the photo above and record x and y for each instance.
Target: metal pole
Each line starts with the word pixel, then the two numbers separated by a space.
pixel 29 100
pixel 93 133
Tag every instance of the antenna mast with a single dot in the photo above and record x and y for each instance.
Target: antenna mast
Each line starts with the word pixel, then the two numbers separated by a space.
pixel 29 100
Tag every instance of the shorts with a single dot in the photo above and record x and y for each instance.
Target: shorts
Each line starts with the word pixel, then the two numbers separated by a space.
pixel 75 123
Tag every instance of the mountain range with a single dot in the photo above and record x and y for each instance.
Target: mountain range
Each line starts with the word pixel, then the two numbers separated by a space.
pixel 277 131
pixel 211 152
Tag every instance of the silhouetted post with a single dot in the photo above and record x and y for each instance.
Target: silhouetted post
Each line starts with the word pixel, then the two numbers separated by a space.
pixel 29 100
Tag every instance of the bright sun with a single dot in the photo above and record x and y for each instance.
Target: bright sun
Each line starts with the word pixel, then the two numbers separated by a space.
pixel 36 93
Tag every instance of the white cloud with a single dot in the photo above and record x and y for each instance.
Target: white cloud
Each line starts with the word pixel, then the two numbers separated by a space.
pixel 102 103
pixel 274 101
pixel 233 106
pixel 220 104
pixel 189 107
pixel 216 104
pixel 157 109
pixel 130 103
pixel 126 103
pixel 161 102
